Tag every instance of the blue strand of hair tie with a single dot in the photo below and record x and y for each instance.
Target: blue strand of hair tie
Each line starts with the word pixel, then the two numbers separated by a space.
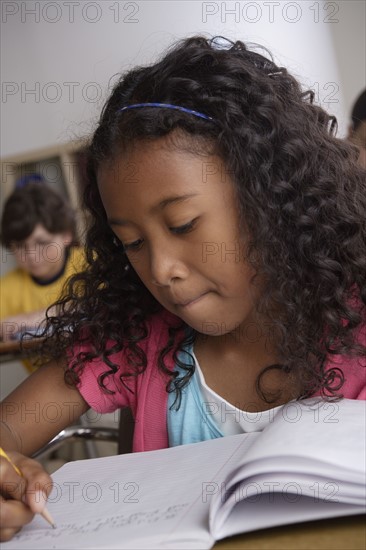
pixel 166 106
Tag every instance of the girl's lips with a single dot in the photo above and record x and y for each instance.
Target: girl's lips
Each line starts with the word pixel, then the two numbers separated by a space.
pixel 191 302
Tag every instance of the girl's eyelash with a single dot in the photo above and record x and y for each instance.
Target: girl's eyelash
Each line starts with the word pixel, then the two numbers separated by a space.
pixel 183 228
pixel 186 228
pixel 132 246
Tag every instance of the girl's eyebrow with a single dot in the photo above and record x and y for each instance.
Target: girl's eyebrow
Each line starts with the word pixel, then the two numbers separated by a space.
pixel 172 200
pixel 160 206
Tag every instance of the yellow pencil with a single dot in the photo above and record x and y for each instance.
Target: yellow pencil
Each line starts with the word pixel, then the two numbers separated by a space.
pixel 45 514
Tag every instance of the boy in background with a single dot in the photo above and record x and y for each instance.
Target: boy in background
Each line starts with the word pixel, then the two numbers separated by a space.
pixel 39 228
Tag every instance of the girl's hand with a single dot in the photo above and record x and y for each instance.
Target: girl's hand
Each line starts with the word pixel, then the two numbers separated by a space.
pixel 21 496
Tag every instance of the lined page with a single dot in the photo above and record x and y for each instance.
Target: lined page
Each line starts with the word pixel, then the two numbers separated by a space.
pixel 148 500
pixel 319 431
pixel 312 449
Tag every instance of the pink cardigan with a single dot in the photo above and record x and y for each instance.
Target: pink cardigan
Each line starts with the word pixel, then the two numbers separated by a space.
pixel 148 401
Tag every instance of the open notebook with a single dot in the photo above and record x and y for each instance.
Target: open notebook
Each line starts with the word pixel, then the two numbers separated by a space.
pixel 308 463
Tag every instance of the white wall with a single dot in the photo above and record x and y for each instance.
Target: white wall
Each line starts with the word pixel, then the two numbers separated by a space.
pixel 55 49
pixel 349 39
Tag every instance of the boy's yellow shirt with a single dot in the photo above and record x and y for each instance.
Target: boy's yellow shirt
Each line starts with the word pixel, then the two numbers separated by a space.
pixel 19 293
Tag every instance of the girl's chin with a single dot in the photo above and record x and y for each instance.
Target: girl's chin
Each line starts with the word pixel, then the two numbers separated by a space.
pixel 208 328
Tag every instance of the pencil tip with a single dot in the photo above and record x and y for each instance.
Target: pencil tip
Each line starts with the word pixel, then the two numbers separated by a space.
pixel 53 526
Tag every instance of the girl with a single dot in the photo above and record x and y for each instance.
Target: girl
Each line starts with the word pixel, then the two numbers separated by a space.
pixel 226 264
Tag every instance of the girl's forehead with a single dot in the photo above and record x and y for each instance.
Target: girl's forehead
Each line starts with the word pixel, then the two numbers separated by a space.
pixel 177 144
pixel 155 174
pixel 164 173
pixel 162 159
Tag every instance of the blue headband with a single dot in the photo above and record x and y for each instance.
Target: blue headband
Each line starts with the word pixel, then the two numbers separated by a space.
pixel 166 106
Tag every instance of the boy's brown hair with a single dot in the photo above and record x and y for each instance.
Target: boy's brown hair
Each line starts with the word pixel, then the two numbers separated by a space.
pixel 36 203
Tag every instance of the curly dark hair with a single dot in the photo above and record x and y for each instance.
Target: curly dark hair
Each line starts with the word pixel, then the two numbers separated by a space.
pixel 300 191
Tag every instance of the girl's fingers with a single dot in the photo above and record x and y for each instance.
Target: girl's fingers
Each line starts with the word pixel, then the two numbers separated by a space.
pixel 11 484
pixel 13 515
pixel 7 534
pixel 21 496
pixel 32 488
pixel 38 484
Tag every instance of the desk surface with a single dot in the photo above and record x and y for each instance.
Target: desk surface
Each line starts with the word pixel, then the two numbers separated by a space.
pixel 347 533
pixel 13 349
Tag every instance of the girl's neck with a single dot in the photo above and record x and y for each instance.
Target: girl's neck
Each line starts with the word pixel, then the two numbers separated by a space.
pixel 231 367
pixel 245 347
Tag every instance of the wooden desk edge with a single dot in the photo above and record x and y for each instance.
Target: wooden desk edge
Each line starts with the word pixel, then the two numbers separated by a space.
pixel 16 346
pixel 342 533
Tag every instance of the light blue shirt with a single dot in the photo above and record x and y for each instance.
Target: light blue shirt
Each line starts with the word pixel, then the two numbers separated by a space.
pixel 192 422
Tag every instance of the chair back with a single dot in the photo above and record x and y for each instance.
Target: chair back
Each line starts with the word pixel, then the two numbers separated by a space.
pixel 125 431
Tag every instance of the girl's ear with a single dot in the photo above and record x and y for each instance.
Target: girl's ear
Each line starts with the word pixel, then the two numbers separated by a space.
pixel 67 237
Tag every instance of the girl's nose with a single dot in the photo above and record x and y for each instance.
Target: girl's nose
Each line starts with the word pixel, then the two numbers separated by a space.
pixel 166 266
